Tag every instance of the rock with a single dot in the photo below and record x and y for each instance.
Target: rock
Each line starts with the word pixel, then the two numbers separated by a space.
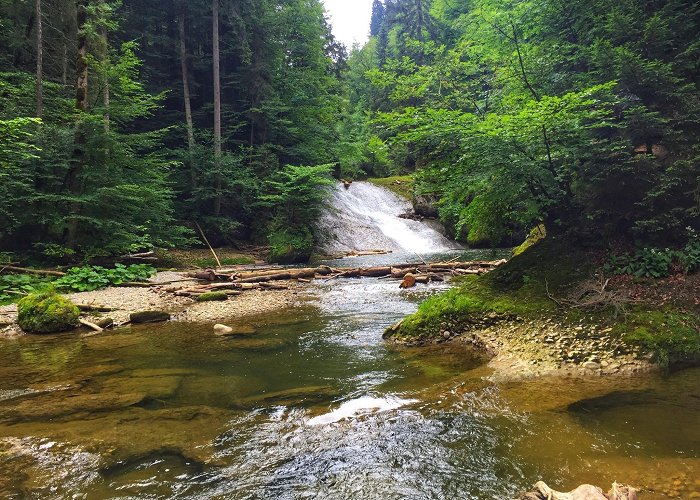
pixel 591 365
pixel 222 330
pixel 149 317
pixel 409 281
pixel 446 334
pixel 104 322
pixel 234 330
pixel 46 312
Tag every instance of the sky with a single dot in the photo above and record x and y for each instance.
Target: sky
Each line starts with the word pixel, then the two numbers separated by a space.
pixel 350 20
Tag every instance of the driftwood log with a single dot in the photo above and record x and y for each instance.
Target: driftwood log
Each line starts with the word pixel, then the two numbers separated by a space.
pixel 584 492
pixel 235 282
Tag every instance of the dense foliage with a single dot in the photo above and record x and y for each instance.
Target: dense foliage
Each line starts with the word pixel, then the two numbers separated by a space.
pixel 117 133
pixel 582 115
pixel 124 124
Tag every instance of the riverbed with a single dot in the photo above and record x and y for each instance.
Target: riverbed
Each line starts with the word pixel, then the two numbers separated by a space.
pixel 314 404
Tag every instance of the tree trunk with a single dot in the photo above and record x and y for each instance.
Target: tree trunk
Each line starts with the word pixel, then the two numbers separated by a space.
pixel 81 104
pixel 186 92
pixel 217 106
pixel 39 62
pixel 105 76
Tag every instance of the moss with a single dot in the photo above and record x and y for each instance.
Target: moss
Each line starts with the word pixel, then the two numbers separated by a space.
pixel 537 234
pixel 400 185
pixel 212 297
pixel 518 288
pixel 671 335
pixel 46 312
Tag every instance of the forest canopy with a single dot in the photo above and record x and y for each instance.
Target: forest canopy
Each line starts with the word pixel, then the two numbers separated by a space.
pixel 123 124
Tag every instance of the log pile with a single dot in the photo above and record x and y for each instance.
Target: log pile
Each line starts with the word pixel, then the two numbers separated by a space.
pixel 237 281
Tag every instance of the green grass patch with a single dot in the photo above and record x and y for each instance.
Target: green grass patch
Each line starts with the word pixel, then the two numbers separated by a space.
pixel 212 297
pixel 400 185
pixel 518 288
pixel 673 336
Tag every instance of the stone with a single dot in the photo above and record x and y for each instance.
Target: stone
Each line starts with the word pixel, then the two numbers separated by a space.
pixel 46 312
pixel 222 329
pixel 104 322
pixel 446 334
pixel 149 317
pixel 591 365
pixel 409 281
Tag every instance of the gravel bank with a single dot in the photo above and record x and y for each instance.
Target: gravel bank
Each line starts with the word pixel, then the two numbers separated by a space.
pixel 125 300
pixel 522 348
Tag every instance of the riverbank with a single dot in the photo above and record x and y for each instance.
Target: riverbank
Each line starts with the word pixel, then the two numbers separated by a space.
pixel 550 311
pixel 123 301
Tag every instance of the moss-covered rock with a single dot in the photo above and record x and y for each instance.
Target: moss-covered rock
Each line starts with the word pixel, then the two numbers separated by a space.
pixel 212 297
pixel 46 312
pixel 290 246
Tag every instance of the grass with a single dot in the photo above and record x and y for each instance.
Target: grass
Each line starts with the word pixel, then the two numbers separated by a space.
pixel 400 185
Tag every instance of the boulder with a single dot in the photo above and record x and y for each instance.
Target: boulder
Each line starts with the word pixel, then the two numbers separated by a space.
pixel 47 312
pixel 409 281
pixel 149 317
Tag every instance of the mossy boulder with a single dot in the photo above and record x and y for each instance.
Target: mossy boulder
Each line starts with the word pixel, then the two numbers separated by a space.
pixel 46 312
pixel 212 297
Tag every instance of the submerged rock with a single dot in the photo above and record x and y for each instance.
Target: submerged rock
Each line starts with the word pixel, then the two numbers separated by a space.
pixel 149 317
pixel 583 492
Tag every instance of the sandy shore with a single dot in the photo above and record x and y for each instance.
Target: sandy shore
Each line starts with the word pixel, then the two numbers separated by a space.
pixel 125 300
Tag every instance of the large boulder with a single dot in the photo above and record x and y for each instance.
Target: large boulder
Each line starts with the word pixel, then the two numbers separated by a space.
pixel 46 312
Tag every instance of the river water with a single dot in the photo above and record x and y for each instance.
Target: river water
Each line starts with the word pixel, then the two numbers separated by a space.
pixel 315 405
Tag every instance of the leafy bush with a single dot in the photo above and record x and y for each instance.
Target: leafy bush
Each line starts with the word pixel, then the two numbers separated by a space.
pixel 46 312
pixel 13 286
pixel 658 263
pixel 289 247
pixel 88 278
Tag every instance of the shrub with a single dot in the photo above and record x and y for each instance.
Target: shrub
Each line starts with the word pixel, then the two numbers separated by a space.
pixel 88 278
pixel 287 247
pixel 46 312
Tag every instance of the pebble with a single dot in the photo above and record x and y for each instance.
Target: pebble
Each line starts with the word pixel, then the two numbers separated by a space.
pixel 591 365
pixel 446 334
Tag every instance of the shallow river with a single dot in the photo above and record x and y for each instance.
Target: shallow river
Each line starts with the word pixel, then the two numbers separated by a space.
pixel 315 405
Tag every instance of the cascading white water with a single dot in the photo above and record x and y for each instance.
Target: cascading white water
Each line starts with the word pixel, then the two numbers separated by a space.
pixel 366 217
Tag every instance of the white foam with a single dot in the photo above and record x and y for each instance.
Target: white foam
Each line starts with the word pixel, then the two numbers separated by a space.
pixel 358 407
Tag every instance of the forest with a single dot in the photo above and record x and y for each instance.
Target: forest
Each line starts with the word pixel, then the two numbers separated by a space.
pixel 124 124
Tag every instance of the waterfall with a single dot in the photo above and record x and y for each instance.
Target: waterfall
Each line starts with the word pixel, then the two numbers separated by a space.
pixel 366 217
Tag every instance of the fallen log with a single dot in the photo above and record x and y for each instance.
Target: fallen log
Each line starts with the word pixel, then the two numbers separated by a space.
pixel 90 325
pixel 94 308
pixel 26 270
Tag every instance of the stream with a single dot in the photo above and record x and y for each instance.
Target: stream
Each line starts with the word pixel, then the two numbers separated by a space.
pixel 315 405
